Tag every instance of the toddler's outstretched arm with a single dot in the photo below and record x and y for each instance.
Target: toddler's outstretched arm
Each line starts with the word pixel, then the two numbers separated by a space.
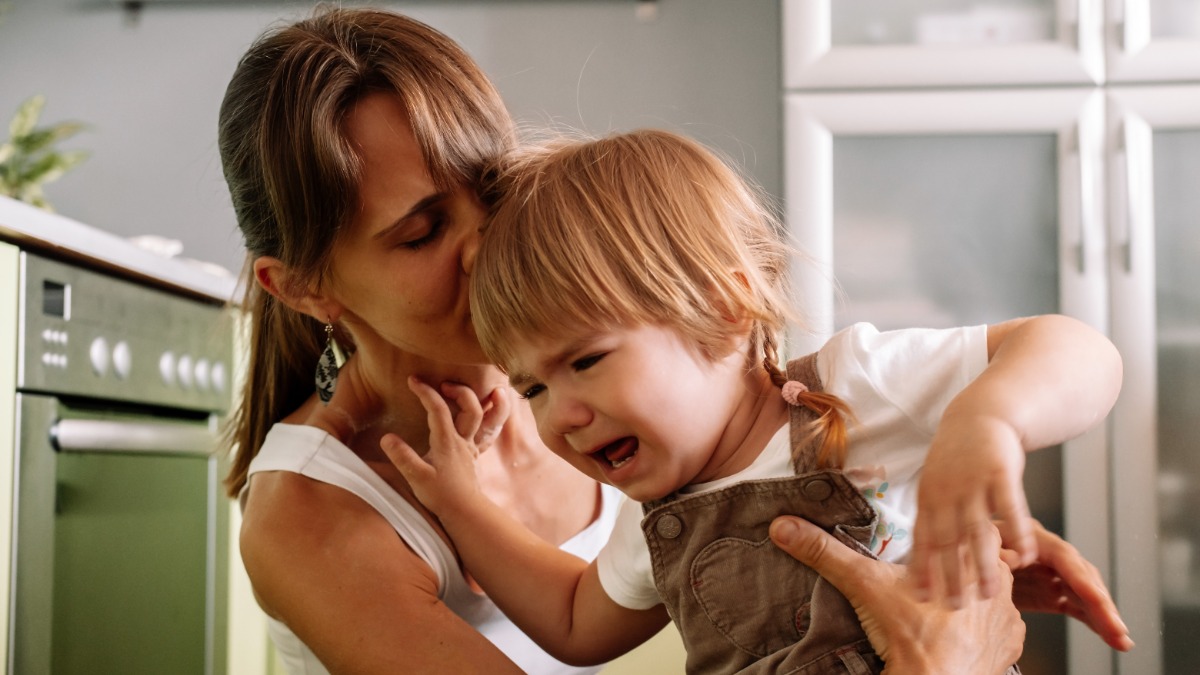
pixel 1049 379
pixel 554 597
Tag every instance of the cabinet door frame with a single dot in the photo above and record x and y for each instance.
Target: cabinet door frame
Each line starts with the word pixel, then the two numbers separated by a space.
pixel 1134 114
pixel 811 61
pixel 1133 55
pixel 1076 117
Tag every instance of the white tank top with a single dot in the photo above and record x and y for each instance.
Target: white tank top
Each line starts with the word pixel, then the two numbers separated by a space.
pixel 313 453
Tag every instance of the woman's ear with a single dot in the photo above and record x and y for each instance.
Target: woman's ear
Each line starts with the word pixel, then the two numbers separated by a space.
pixel 274 277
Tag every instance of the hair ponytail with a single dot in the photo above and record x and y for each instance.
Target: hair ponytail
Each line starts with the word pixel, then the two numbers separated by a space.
pixel 284 346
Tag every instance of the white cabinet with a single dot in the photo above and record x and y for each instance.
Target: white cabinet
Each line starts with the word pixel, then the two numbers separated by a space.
pixel 1155 279
pixel 940 184
pixel 866 43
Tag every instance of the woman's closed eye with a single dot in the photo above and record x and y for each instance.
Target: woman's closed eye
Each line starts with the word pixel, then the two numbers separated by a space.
pixel 435 225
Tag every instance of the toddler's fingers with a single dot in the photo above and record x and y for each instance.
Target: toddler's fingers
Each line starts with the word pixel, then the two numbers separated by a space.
pixel 920 571
pixel 984 546
pixel 949 554
pixel 1011 510
pixel 470 414
pixel 499 406
pixel 403 457
pixel 436 410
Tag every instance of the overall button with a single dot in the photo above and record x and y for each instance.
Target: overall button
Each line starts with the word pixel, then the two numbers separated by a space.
pixel 818 489
pixel 668 526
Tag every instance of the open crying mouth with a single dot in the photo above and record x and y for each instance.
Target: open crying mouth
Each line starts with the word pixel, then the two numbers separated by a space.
pixel 617 453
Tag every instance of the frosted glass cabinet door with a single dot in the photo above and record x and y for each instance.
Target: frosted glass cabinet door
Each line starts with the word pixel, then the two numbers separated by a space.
pixel 953 208
pixel 1155 261
pixel 1153 40
pixel 858 43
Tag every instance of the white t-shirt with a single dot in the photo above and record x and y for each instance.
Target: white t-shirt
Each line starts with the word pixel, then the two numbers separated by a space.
pixel 897 385
pixel 314 453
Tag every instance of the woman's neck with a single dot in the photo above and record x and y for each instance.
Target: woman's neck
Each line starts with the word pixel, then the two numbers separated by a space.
pixel 372 397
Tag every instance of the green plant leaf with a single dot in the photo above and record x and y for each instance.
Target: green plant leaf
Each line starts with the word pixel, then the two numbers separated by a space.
pixel 48 168
pixel 27 116
pixel 46 136
pixel 6 150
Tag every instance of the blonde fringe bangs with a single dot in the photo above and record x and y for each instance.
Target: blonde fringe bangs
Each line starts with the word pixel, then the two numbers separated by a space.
pixel 645 227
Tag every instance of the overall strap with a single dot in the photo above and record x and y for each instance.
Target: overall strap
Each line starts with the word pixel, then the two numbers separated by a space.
pixel 805 444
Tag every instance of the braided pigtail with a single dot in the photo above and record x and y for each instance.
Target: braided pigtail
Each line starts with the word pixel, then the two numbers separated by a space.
pixel 832 412
pixel 770 359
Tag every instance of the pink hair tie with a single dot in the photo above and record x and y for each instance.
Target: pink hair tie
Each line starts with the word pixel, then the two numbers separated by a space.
pixel 792 390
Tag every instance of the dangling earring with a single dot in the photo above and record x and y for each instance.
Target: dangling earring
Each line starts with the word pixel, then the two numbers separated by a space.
pixel 328 365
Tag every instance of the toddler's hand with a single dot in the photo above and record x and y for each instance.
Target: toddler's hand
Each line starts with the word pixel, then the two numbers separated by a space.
pixel 445 476
pixel 972 474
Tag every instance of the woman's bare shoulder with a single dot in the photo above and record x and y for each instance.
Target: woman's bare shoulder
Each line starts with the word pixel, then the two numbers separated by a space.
pixel 333 570
pixel 296 531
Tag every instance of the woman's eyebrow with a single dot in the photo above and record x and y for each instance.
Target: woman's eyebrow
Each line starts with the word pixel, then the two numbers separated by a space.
pixel 421 205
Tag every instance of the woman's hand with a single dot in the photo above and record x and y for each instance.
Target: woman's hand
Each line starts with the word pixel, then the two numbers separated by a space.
pixel 444 477
pixel 1061 581
pixel 913 638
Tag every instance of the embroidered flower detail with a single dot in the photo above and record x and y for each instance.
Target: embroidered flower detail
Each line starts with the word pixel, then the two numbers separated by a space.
pixel 792 390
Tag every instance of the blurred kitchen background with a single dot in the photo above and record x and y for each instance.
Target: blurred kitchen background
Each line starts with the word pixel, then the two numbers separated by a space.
pixel 148 83
pixel 945 161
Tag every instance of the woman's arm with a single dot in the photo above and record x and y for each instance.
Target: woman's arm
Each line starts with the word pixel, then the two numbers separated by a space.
pixel 554 597
pixel 984 637
pixel 331 568
pixel 1048 379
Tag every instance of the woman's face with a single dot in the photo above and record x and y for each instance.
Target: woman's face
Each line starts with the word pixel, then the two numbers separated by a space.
pixel 400 271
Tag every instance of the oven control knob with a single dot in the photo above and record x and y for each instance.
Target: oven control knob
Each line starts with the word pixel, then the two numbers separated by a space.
pixel 98 355
pixel 184 371
pixel 122 360
pixel 166 368
pixel 202 374
pixel 218 377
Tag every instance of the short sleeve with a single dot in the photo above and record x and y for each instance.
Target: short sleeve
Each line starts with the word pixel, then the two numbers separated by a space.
pixel 916 371
pixel 624 563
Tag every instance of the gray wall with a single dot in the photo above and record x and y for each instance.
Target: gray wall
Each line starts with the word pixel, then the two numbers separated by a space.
pixel 149 88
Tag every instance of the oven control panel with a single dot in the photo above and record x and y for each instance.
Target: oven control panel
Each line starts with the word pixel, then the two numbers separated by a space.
pixel 85 333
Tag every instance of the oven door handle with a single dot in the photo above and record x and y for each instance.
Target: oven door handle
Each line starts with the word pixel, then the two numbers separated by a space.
pixel 77 435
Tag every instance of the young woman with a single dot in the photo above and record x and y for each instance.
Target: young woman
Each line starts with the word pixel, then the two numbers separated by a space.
pixel 353 143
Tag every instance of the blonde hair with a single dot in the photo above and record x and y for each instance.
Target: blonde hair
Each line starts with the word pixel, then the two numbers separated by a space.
pixel 644 227
pixel 293 173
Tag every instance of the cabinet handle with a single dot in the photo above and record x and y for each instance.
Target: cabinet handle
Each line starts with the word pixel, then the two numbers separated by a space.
pixel 1133 153
pixel 1075 151
pixel 1134 28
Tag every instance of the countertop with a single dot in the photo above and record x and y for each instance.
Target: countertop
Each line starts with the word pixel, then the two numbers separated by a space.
pixel 56 236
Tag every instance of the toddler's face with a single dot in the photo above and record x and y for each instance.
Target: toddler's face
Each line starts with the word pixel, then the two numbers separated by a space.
pixel 634 407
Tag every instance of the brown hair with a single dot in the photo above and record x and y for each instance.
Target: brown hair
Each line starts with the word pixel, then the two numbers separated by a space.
pixel 645 227
pixel 293 174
